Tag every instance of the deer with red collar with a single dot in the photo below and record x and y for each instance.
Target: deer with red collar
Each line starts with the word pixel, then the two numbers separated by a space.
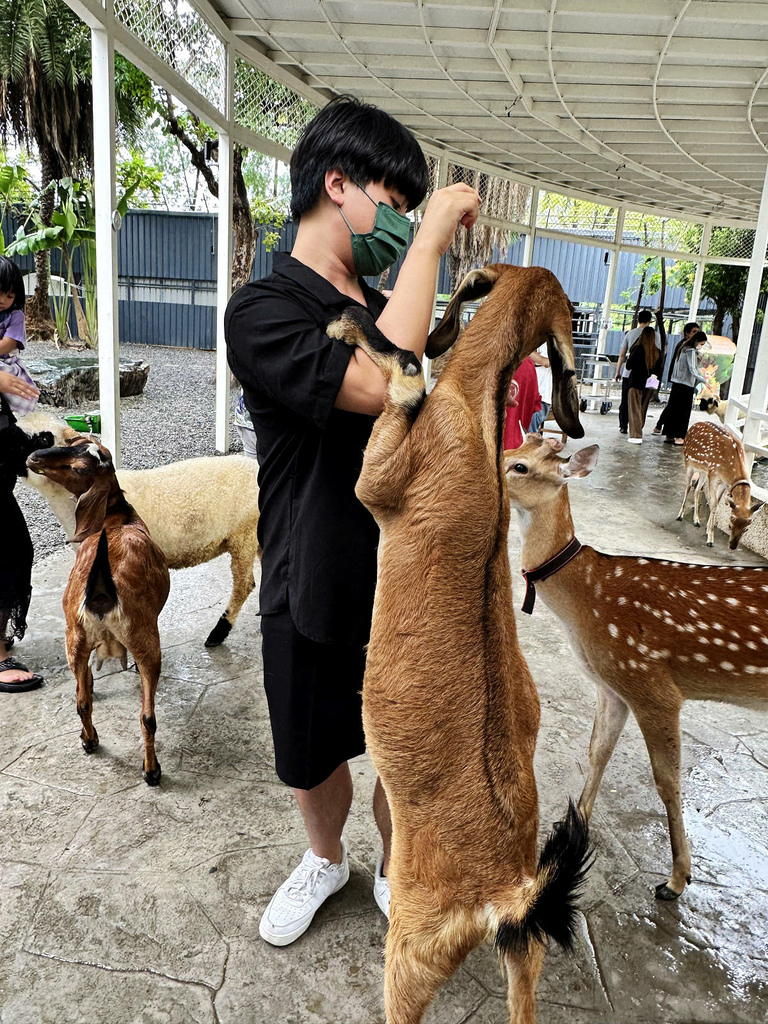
pixel 650 632
pixel 714 460
pixel 118 584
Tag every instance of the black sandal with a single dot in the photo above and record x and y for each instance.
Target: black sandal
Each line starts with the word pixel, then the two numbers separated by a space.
pixel 18 685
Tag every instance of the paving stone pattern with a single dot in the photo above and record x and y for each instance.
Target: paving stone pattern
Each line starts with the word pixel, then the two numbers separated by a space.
pixel 123 904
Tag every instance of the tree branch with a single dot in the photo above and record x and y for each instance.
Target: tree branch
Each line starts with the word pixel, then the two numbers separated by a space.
pixel 196 154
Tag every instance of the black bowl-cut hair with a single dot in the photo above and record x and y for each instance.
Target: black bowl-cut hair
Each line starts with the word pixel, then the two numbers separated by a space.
pixel 12 283
pixel 363 141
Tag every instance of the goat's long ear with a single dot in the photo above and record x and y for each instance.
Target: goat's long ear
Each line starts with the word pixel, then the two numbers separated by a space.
pixel 565 396
pixel 581 463
pixel 475 285
pixel 91 508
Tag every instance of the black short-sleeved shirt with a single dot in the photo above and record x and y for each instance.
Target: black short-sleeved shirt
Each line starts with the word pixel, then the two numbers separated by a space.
pixel 319 541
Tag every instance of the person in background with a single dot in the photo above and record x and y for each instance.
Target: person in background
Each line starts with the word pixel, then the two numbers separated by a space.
pixel 644 364
pixel 16 559
pixel 355 172
pixel 688 331
pixel 13 335
pixel 523 404
pixel 544 381
pixel 685 375
pixel 644 318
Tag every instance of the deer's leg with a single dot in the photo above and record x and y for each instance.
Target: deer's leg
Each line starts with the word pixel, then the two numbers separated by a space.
pixel 148 663
pixel 688 484
pixel 523 970
pixel 661 730
pixel 696 496
pixel 610 718
pixel 422 951
pixel 242 556
pixel 714 494
pixel 78 653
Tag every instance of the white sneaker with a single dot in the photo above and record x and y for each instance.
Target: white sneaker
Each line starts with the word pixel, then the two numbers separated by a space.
pixel 381 892
pixel 301 895
pixel 635 440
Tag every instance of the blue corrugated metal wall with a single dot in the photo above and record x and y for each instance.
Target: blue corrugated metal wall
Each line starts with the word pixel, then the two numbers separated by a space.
pixel 167 275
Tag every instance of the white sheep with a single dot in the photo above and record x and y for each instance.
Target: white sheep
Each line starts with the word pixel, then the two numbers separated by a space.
pixel 195 510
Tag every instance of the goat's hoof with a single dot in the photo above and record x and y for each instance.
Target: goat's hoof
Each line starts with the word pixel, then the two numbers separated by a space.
pixel 152 778
pixel 663 892
pixel 90 745
pixel 219 633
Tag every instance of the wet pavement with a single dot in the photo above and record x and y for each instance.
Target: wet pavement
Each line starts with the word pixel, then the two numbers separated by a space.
pixel 123 904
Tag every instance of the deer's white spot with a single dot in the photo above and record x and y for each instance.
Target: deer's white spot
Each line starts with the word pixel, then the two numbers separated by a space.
pixel 700 657
pixel 613 629
pixel 726 666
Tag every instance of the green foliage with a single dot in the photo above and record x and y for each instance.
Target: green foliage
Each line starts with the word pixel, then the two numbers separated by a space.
pixel 139 182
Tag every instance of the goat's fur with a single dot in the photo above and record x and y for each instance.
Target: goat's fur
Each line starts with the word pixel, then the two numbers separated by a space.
pixel 118 584
pixel 450 709
pixel 195 510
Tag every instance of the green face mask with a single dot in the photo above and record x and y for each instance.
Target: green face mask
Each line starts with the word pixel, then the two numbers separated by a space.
pixel 378 249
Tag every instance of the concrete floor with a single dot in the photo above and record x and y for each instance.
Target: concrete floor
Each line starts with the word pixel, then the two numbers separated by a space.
pixel 123 904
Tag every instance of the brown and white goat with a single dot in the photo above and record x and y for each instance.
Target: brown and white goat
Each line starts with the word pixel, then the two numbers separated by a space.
pixel 714 460
pixel 450 710
pixel 118 584
pixel 650 632
pixel 195 510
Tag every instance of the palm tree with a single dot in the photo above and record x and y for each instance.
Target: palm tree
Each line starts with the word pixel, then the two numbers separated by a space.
pixel 45 102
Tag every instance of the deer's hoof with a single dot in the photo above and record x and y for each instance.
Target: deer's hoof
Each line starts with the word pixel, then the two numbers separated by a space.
pixel 90 744
pixel 663 892
pixel 710 543
pixel 152 778
pixel 679 519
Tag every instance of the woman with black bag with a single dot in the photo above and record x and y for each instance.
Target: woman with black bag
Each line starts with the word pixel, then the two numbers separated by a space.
pixel 644 365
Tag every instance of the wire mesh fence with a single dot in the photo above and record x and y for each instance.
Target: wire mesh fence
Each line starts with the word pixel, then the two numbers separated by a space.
pixel 735 243
pixel 182 38
pixel 267 107
pixel 576 216
pixel 656 232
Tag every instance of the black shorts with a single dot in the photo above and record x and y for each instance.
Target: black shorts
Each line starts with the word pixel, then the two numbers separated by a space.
pixel 315 701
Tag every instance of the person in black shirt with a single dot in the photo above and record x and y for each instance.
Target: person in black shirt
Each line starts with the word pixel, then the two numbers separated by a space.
pixel 355 173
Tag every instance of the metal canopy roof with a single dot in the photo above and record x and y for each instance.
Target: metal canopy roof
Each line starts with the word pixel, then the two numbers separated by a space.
pixel 649 103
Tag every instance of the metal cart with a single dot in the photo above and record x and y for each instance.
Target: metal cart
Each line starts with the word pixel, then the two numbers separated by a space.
pixel 597 384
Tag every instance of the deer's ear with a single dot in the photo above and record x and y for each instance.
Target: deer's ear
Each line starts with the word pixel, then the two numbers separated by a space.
pixel 581 463
pixel 475 285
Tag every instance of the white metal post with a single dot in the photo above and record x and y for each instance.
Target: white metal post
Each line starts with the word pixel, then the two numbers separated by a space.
pixel 103 88
pixel 735 393
pixel 605 320
pixel 758 397
pixel 530 238
pixel 693 312
pixel 224 265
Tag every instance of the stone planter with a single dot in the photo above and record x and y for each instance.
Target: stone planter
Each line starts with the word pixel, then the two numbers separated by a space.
pixel 70 381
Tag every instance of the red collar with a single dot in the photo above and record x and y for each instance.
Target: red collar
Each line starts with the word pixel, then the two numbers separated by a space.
pixel 543 572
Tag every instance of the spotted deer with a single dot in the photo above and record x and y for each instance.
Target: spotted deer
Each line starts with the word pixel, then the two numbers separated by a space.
pixel 714 461
pixel 651 633
pixel 450 709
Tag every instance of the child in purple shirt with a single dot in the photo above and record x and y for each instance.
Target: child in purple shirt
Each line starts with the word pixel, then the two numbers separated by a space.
pixel 12 332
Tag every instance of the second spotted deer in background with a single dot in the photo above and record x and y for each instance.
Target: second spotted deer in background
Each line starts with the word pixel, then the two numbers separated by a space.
pixel 651 633
pixel 714 460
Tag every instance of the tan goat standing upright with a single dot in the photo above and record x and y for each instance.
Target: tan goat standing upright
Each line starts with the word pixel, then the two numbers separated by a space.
pixel 450 709
pixel 714 460
pixel 650 632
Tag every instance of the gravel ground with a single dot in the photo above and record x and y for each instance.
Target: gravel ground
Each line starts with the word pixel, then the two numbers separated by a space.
pixel 173 419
